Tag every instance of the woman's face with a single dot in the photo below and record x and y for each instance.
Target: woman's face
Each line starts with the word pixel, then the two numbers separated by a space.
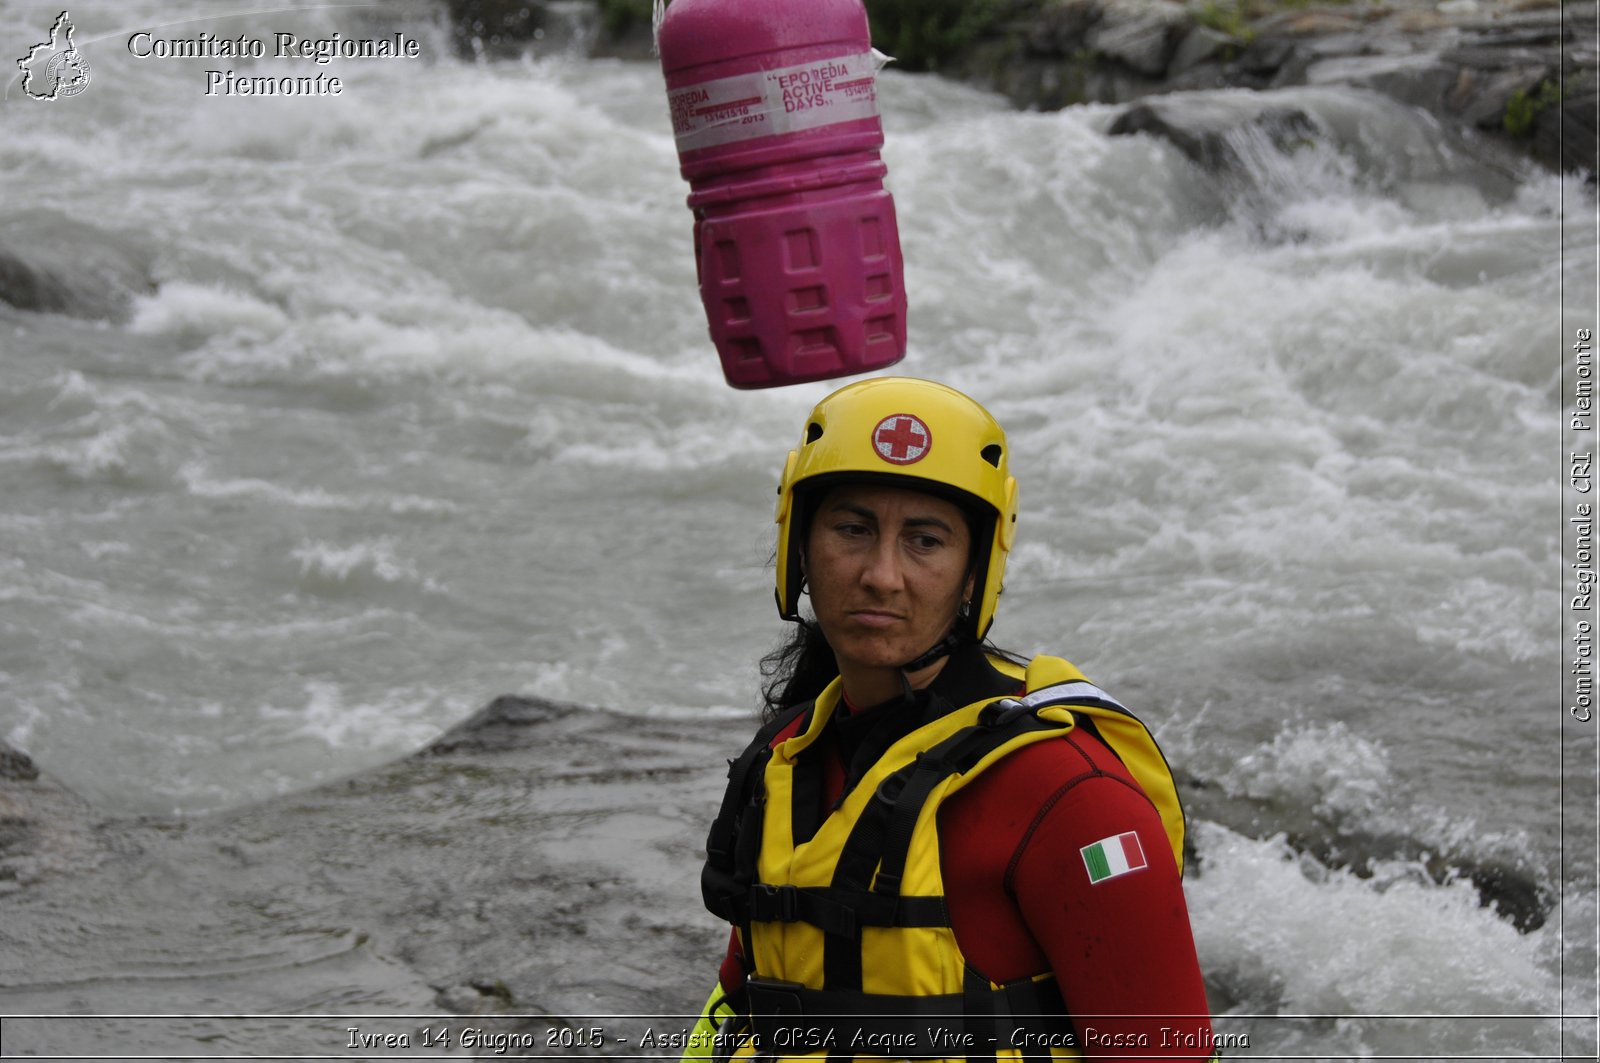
pixel 888 570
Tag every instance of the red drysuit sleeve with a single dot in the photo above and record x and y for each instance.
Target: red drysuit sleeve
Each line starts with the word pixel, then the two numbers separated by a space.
pixel 1119 947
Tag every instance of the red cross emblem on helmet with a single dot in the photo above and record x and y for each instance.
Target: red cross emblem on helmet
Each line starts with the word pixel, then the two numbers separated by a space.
pixel 902 439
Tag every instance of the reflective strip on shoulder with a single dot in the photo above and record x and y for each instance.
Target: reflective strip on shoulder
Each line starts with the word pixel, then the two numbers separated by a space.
pixel 1074 693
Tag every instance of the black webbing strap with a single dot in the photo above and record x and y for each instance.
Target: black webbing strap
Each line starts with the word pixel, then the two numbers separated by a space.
pixel 858 859
pixel 735 837
pixel 790 1019
pixel 862 850
pixel 805 800
pixel 955 755
pixel 996 1014
pixel 977 997
pixel 843 911
pixel 852 873
pixel 910 785
pixel 881 838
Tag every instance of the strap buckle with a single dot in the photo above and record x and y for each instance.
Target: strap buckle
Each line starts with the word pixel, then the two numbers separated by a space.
pixel 999 713
pixel 780 904
pixel 770 998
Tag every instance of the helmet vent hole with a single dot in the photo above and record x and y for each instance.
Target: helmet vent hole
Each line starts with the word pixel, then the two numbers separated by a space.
pixel 813 432
pixel 991 454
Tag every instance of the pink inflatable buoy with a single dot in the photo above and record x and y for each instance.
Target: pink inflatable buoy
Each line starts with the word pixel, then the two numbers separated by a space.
pixel 775 112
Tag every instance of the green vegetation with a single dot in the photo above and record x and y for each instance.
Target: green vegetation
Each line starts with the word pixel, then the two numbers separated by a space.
pixel 926 34
pixel 617 17
pixel 1226 16
pixel 1524 107
pixel 919 34
pixel 1267 7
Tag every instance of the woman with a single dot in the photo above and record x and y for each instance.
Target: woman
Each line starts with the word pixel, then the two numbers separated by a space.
pixel 931 849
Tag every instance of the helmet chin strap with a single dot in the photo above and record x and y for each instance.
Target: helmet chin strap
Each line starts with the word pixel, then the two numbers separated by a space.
pixel 943 648
pixel 959 635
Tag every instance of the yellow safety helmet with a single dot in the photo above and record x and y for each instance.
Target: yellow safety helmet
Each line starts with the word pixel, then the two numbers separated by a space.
pixel 906 433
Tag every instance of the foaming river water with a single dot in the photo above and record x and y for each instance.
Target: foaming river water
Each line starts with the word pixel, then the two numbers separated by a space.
pixel 409 403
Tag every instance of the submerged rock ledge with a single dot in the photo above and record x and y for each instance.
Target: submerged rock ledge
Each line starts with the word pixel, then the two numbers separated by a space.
pixel 539 858
pixel 540 861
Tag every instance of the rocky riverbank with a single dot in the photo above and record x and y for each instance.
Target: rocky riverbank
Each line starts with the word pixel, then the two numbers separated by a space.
pixel 540 859
pixel 1522 72
pixel 536 865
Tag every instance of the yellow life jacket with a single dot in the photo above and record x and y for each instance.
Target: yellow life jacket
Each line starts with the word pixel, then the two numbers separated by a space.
pixel 847 931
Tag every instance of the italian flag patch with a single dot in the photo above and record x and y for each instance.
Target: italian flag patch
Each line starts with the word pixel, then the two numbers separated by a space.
pixel 1110 857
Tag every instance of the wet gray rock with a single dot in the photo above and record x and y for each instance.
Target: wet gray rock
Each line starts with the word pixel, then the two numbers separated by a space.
pixel 1141 36
pixel 500 725
pixel 1566 133
pixel 29 287
pixel 1056 28
pixel 1200 44
pixel 96 286
pixel 1471 71
pixel 57 265
pixel 539 858
pixel 1478 95
pixel 15 765
pixel 1209 136
pixel 1515 892
pixel 45 829
pixel 1249 141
